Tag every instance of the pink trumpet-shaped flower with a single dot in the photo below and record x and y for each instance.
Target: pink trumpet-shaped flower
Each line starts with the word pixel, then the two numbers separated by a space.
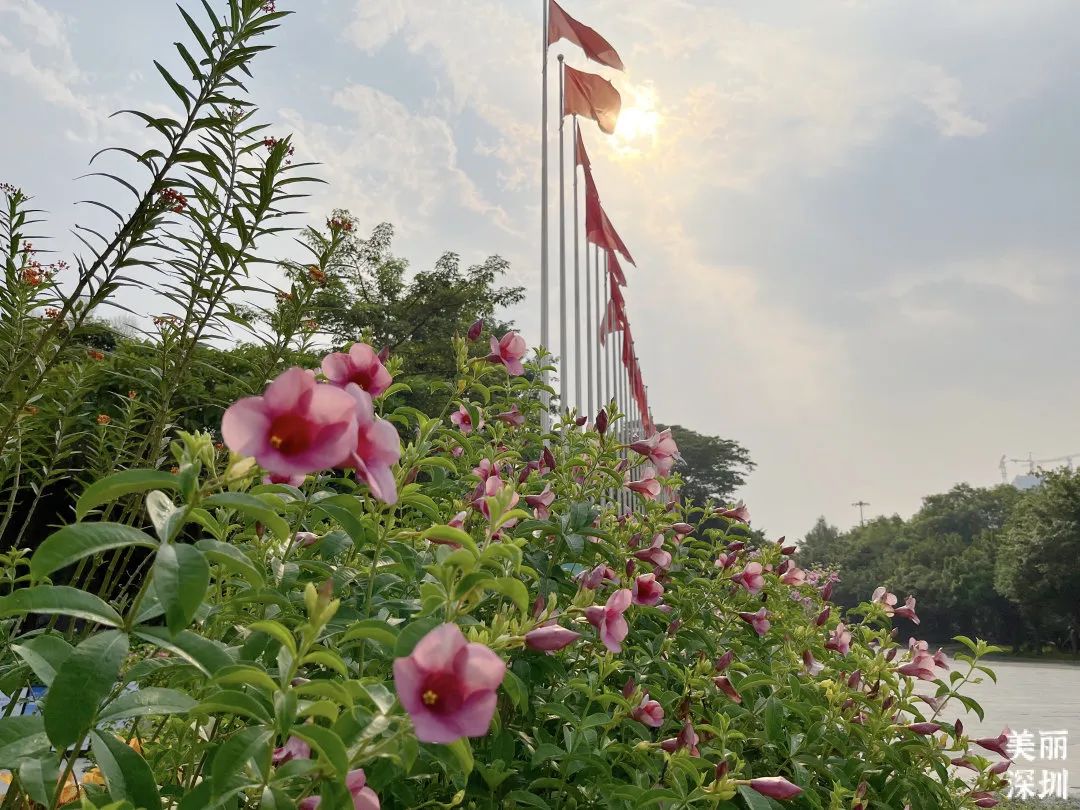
pixel 998 744
pixel 447 685
pixel 609 620
pixel 509 352
pixel 363 797
pixel 687 740
pixel 646 590
pixel 739 512
pixel 984 798
pixel 759 621
pixel 294 748
pixel 463 420
pixel 660 449
pixel 550 638
pixel 921 667
pixel 1000 767
pixel 775 787
pixel 647 487
pixel 750 577
pixel 648 712
pixel 794 576
pixel 377 449
pixel 296 427
pixel 883 597
pixel 723 683
pixel 360 366
pixel 813 666
pixel 923 728
pixel 655 553
pixel 513 417
pixel 840 640
pixel 593 579
pixel 908 610
pixel 541 503
pixel 724 661
pixel 291 480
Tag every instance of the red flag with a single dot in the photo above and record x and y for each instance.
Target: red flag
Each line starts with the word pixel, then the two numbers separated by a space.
pixel 591 96
pixel 615 270
pixel 581 157
pixel 614 317
pixel 562 26
pixel 598 228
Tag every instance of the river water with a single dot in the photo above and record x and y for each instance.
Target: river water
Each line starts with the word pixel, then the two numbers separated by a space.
pixel 1036 697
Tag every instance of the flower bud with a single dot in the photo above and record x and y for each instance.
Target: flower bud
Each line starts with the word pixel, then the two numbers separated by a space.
pixel 724 661
pixel 721 769
pixel 475 330
pixel 384 354
pixel 581 420
pixel 601 422
pixel 775 787
pixel 550 638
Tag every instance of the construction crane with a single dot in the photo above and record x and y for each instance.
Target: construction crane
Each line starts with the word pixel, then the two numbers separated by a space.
pixel 1033 463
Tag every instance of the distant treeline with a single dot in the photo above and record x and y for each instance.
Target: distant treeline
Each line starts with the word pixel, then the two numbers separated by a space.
pixel 995 562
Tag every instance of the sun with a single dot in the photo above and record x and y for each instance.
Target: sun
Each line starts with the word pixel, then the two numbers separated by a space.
pixel 639 121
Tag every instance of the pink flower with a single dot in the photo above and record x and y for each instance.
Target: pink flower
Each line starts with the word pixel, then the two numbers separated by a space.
pixel 739 512
pixel 660 449
pixel 474 331
pixel 811 664
pixel 921 667
pixel 363 797
pixel 648 487
pixel 794 576
pixel 883 597
pixel 291 480
pixel 541 503
pixel 550 638
pixel 724 661
pixel 648 712
pixel 908 610
pixel 646 590
pixel 591 580
pixel 750 577
pixel 759 621
pixel 294 748
pixel 377 449
pixel 513 417
pixel 723 683
pixel 775 787
pixel 996 744
pixel 447 685
pixel 490 488
pixel 655 553
pixel 840 640
pixel 687 739
pixel 463 420
pixel 361 365
pixel 984 798
pixel 509 352
pixel 305 539
pixel 296 427
pixel 923 728
pixel 609 619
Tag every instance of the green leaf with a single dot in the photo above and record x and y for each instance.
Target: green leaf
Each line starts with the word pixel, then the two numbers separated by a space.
pixel 21 736
pixel 233 701
pixel 181 577
pixel 462 751
pixel 515 589
pixel 164 514
pixel 753 799
pixel 38 777
pixel 277 631
pixel 81 683
pixel 151 700
pixel 253 507
pixel 327 744
pixel 450 535
pixel 209 656
pixel 127 774
pixel 372 629
pixel 44 655
pixel 229 770
pixel 231 558
pixel 245 674
pixel 117 485
pixel 71 543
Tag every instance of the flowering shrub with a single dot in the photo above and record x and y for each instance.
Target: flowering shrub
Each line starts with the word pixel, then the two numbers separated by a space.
pixel 350 603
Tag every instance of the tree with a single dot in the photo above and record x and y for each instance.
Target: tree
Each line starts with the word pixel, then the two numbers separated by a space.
pixel 1040 544
pixel 711 468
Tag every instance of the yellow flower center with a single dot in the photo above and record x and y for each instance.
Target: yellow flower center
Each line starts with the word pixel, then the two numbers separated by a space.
pixel 430 697
pixel 276 441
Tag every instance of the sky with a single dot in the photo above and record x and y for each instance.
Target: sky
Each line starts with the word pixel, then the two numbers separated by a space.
pixel 855 221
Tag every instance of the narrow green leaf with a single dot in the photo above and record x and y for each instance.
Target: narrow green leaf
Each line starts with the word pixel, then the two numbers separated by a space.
pixel 232 559
pixel 127 774
pixel 230 768
pixel 209 656
pixel 462 751
pixel 39 777
pixel 21 736
pixel 71 543
pixel 327 744
pixel 252 507
pixel 181 577
pixel 44 655
pixel 515 589
pixel 233 701
pixel 151 700
pixel 452 536
pixel 60 599
pixel 81 683
pixel 122 483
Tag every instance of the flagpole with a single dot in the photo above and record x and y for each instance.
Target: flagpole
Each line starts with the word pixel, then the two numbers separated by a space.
pixel 600 401
pixel 588 330
pixel 563 355
pixel 577 287
pixel 545 338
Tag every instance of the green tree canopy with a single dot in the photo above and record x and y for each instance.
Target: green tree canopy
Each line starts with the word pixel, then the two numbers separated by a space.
pixel 712 468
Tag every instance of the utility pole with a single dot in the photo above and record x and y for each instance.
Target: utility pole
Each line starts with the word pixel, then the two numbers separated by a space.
pixel 861 504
